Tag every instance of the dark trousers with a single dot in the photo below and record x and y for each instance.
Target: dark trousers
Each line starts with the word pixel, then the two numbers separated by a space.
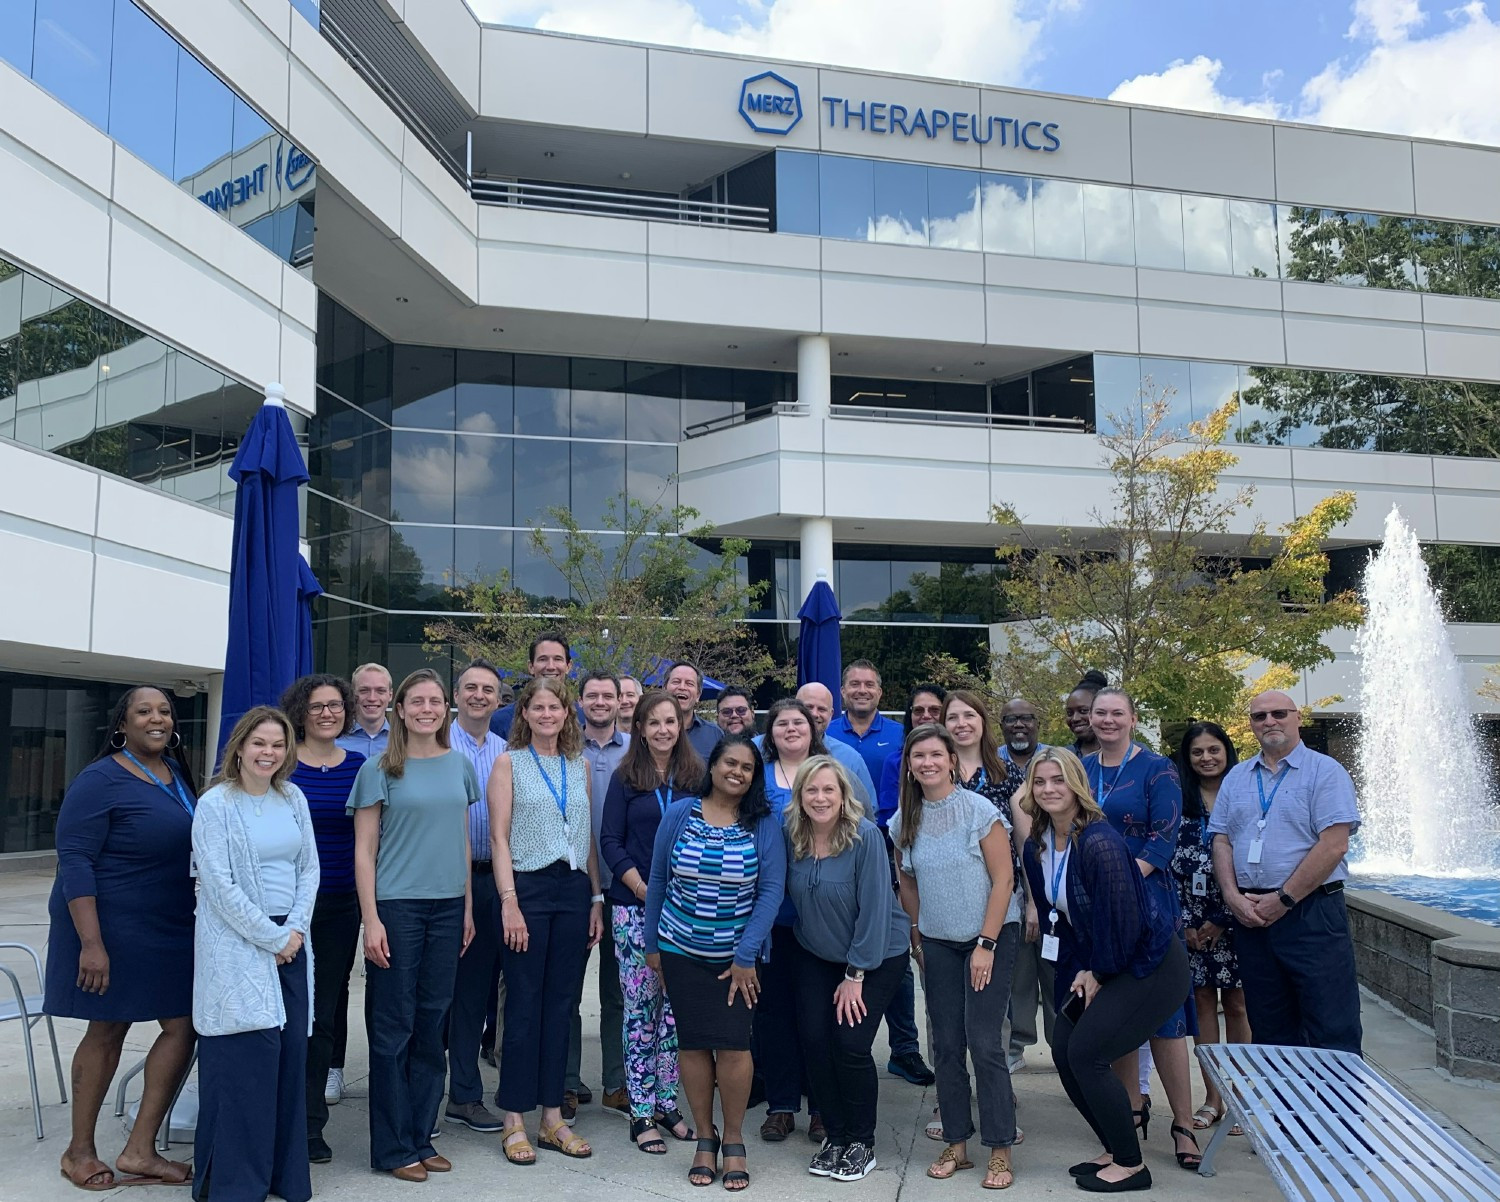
pixel 334 935
pixel 901 1015
pixel 969 1024
pixel 341 1021
pixel 1032 986
pixel 1300 985
pixel 541 984
pixel 1124 1014
pixel 774 1037
pixel 840 1069
pixel 471 992
pixel 408 1015
pixel 252 1097
pixel 611 1020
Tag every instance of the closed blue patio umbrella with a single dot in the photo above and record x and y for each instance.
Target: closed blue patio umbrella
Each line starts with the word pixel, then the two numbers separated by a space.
pixel 271 588
pixel 819 657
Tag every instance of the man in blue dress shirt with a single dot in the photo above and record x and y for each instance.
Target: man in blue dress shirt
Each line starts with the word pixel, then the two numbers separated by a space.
pixel 1281 829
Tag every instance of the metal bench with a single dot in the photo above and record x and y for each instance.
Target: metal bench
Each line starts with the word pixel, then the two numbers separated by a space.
pixel 1331 1129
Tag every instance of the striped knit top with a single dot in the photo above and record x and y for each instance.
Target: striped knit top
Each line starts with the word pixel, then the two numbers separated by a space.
pixel 711 890
pixel 327 792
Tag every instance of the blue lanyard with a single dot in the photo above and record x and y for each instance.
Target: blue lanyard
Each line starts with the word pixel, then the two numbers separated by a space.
pixel 1260 785
pixel 1100 792
pixel 660 804
pixel 1059 870
pixel 981 780
pixel 559 791
pixel 174 790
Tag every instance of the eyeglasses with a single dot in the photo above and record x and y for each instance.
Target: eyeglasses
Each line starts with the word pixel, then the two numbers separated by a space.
pixel 325 707
pixel 734 711
pixel 1262 715
pixel 1017 719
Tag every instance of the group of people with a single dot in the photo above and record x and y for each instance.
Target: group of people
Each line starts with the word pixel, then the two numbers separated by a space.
pixel 761 901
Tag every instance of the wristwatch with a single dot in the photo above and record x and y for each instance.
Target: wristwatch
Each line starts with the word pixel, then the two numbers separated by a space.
pixel 1286 898
pixel 854 974
pixel 986 942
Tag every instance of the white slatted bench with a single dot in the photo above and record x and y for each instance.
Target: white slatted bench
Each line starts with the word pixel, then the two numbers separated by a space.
pixel 1331 1129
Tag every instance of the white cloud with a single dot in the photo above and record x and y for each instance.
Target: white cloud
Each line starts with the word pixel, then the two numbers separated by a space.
pixel 1193 85
pixel 987 41
pixel 1386 20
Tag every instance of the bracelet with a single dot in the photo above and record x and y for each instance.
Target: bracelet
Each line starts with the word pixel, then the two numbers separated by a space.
pixel 597 899
pixel 507 893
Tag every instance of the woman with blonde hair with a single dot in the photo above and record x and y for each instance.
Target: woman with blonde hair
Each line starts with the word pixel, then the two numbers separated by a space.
pixel 1121 970
pixel 257 863
pixel 957 884
pixel 855 937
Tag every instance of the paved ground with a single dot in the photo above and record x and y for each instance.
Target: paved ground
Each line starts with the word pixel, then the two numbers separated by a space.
pixel 1055 1135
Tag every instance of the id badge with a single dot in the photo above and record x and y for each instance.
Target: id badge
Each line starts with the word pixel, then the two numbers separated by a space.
pixel 192 864
pixel 1253 857
pixel 572 859
pixel 1050 948
pixel 1200 883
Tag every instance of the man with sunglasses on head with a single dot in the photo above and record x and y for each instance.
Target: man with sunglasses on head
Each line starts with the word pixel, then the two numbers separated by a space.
pixel 1280 830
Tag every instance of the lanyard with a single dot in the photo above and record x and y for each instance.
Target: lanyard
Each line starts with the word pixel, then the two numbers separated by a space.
pixel 1100 792
pixel 1059 873
pixel 558 791
pixel 660 804
pixel 981 780
pixel 174 790
pixel 1260 785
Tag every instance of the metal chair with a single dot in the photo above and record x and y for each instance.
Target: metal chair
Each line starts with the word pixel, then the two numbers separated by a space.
pixel 28 1009
pixel 165 1131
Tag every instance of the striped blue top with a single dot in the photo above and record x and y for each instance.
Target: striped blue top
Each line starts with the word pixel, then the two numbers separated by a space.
pixel 711 890
pixel 327 792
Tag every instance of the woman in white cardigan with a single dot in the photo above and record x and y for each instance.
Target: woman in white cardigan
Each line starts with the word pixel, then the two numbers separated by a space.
pixel 257 869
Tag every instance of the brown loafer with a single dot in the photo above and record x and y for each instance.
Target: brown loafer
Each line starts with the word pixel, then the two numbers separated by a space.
pixel 569 1105
pixel 617 1099
pixel 777 1127
pixel 410 1172
pixel 437 1164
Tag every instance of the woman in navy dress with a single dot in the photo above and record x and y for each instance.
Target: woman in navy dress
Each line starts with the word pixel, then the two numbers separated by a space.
pixel 1141 796
pixel 120 949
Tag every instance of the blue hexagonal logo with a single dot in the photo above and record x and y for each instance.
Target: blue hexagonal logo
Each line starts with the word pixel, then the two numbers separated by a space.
pixel 770 104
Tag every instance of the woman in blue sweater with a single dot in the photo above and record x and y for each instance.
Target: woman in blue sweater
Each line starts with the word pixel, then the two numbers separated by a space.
pixel 1121 969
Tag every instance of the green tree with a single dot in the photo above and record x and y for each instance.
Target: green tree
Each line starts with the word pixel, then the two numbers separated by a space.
pixel 648 592
pixel 1162 593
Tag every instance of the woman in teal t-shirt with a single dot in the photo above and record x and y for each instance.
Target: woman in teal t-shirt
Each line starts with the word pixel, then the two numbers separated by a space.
pixel 411 869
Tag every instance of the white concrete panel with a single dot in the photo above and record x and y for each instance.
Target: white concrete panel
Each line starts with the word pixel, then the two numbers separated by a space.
pixel 1461 311
pixel 133 515
pixel 1060 275
pixel 1368 520
pixel 46 592
pixel 198 609
pixel 204 234
pixel 52 223
pixel 1189 152
pixel 697 96
pixel 347 150
pixel 1093 137
pixel 1458 182
pixel 553 279
pixel 47 488
pixel 1350 345
pixel 894 261
pixel 276 16
pixel 447 191
pixel 299 367
pixel 432 233
pixel 803 482
pixel 446 34
pixel 1189 331
pixel 706 293
pixel 236 45
pixel 1463 354
pixel 299 297
pixel 742 492
pixel 1365 304
pixel 917 491
pixel 577 231
pixel 564 81
pixel 1464 517
pixel 313 56
pixel 1347 469
pixel 1195 288
pixel 862 124
pixel 715 244
pixel 35 119
pixel 1341 170
pixel 1468 475
pixel 896 308
pixel 1061 321
pixel 866 441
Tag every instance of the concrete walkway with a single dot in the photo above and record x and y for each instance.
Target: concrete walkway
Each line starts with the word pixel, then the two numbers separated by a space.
pixel 1055 1135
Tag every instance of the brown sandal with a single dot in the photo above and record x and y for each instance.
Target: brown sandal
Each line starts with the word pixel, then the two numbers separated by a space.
pixel 83 1176
pixel 999 1163
pixel 946 1157
pixel 573 1145
pixel 517 1151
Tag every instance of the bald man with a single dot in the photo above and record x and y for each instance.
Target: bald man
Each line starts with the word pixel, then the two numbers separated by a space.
pixel 1280 830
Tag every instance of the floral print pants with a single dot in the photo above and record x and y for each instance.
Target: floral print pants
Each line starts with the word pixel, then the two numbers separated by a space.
pixel 650 1031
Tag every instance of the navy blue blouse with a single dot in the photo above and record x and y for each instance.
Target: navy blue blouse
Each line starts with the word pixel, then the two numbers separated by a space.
pixel 627 832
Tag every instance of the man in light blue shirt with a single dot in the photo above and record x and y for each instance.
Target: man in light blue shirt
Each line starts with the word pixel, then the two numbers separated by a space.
pixel 372 697
pixel 1281 829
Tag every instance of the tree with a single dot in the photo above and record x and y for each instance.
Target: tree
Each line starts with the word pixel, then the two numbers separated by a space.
pixel 1162 595
pixel 656 588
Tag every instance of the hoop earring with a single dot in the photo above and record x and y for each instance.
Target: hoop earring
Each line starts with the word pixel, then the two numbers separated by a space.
pixel 120 735
pixel 174 741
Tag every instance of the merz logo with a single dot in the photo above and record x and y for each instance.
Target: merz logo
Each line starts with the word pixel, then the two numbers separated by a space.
pixel 770 104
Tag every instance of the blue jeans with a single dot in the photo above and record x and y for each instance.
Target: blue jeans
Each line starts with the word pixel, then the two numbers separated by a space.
pixel 408 1015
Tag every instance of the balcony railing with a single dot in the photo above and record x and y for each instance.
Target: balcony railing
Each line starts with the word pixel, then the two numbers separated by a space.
pixel 730 420
pixel 561 198
pixel 873 413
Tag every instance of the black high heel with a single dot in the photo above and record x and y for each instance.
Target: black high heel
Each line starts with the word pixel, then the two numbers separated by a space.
pixel 703 1174
pixel 1143 1118
pixel 652 1147
pixel 1187 1160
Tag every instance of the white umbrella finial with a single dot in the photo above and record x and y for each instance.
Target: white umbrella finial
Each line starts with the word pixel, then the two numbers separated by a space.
pixel 276 394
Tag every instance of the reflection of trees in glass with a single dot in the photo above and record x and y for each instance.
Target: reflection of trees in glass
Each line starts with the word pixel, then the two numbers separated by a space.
pixel 1468 578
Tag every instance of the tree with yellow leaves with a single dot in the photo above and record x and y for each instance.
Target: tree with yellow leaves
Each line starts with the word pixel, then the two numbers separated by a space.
pixel 1171 592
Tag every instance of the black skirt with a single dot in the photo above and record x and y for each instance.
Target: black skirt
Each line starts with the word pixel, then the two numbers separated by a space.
pixel 704 1022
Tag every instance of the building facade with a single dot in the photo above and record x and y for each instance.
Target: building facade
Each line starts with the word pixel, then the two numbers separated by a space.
pixel 840 314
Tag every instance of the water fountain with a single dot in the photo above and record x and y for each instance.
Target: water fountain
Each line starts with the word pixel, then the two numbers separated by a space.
pixel 1431 827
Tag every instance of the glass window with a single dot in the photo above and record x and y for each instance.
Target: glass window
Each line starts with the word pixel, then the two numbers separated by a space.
pixel 1006 212
pixel 482 480
pixel 1057 205
pixel 1205 234
pixel 423 385
pixel 485 398
pixel 1166 381
pixel 541 475
pixel 796 193
pixel 653 408
pixel 479 556
pixel 1252 231
pixel 143 87
pixel 846 197
pixel 968 592
pixel 1117 391
pixel 900 213
pixel 535 574
pixel 1213 385
pixel 421 567
pixel 651 475
pixel 598 387
pixel 708 394
pixel 250 129
pixel 17 29
pixel 1065 390
pixel 953 208
pixel 422 470
pixel 205 126
pixel 1108 236
pixel 863 586
pixel 71 56
pixel 1158 230
pixel 542 395
pixel 1388 253
pixel 916 591
pixel 1481 261
pixel 309 9
pixel 598 475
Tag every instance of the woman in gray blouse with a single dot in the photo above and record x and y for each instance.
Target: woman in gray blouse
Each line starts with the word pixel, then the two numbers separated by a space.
pixel 957 880
pixel 856 937
pixel 257 867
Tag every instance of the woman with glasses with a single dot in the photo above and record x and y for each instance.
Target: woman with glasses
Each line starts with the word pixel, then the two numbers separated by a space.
pixel 321 709
pixel 925 708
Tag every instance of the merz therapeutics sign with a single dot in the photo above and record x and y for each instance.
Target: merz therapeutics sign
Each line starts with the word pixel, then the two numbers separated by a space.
pixel 771 104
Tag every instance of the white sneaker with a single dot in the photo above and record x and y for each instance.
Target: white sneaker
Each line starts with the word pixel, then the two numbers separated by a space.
pixel 1016 1063
pixel 333 1092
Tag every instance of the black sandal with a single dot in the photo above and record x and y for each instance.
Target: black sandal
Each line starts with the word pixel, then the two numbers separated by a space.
pixel 738 1177
pixel 671 1119
pixel 1187 1160
pixel 652 1147
pixel 705 1174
